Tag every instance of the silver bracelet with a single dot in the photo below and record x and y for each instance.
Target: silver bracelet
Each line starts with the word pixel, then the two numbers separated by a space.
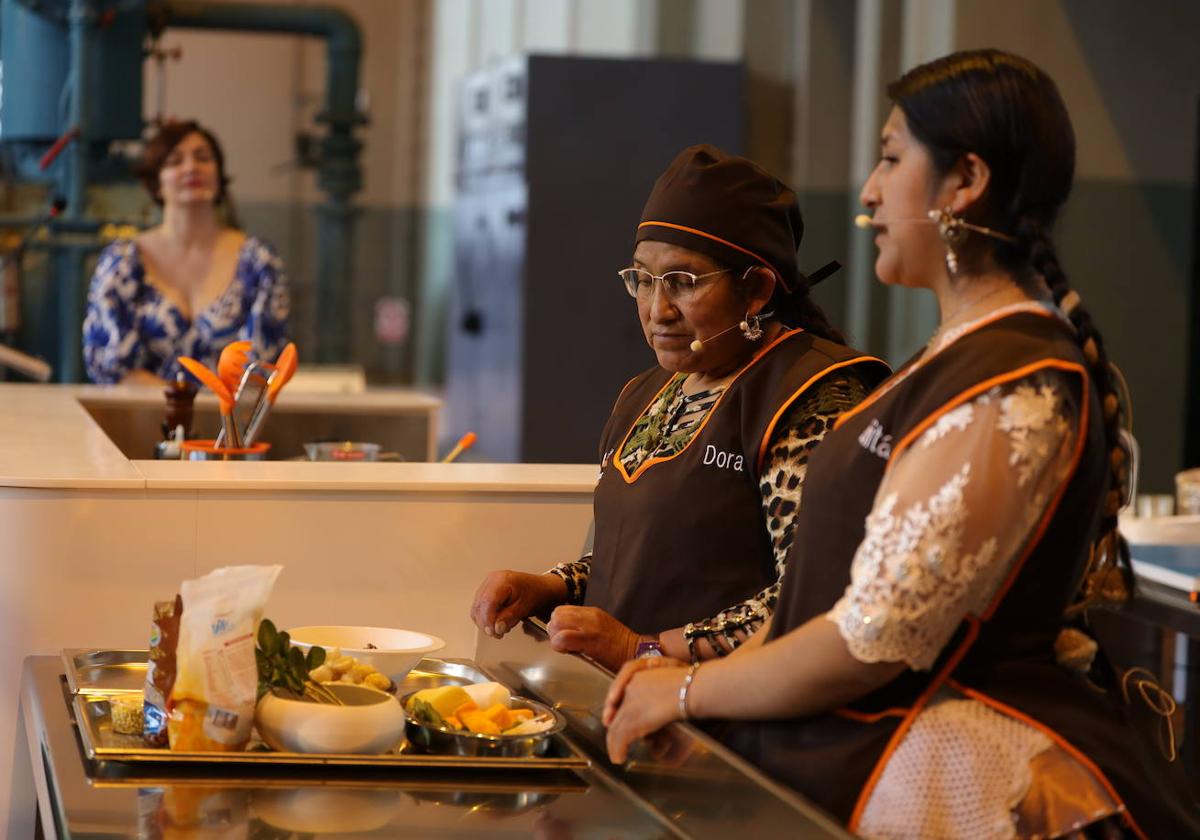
pixel 685 688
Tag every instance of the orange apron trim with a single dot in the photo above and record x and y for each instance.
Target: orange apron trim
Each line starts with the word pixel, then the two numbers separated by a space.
pixel 1040 531
pixel 985 385
pixel 943 676
pixel 884 387
pixel 762 447
pixel 724 242
pixel 1062 742
pixel 649 462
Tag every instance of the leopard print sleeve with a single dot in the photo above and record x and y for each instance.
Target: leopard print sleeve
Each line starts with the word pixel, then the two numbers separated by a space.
pixel 799 431
pixel 575 575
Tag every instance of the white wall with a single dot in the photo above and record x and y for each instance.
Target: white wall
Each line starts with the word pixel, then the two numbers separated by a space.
pixel 277 84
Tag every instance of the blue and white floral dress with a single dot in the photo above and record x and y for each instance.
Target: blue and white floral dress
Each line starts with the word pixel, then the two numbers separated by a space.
pixel 131 326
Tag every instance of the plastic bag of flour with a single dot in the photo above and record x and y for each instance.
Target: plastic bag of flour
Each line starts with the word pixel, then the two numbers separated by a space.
pixel 212 702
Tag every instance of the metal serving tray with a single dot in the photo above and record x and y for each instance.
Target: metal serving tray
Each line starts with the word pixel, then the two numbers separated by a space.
pixel 104 671
pixel 94 677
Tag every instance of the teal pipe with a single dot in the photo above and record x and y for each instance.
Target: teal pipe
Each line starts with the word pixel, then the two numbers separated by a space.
pixel 339 174
pixel 69 264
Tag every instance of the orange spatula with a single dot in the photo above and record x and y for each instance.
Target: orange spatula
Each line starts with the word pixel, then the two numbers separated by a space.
pixel 285 366
pixel 232 362
pixel 214 384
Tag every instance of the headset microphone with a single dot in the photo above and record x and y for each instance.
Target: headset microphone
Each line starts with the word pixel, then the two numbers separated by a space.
pixel 698 345
pixel 865 222
pixel 947 223
pixel 751 327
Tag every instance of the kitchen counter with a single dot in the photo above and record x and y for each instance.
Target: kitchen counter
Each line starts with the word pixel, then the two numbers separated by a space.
pixel 90 539
pixel 86 435
pixel 701 790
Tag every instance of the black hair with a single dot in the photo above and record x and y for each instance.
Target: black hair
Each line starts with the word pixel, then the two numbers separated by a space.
pixel 797 309
pixel 1009 112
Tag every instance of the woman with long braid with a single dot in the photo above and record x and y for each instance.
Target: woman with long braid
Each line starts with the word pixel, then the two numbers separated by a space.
pixel 925 673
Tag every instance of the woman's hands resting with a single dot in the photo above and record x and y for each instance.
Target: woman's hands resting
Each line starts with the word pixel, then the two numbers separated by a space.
pixel 642 700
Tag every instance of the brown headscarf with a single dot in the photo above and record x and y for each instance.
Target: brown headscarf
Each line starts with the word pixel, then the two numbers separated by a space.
pixel 728 208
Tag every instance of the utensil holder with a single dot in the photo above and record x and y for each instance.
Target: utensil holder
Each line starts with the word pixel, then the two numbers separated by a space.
pixel 206 450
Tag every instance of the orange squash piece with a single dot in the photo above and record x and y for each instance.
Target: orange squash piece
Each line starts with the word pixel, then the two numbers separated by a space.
pixel 478 722
pixel 498 714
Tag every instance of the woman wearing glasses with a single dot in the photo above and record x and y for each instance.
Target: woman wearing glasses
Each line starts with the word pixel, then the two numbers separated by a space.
pixel 703 457
pixel 930 676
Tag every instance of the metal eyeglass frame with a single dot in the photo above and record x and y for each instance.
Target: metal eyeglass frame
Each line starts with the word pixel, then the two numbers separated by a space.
pixel 672 292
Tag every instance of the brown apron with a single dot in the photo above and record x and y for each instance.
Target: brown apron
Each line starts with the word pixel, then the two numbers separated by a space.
pixel 1004 657
pixel 684 537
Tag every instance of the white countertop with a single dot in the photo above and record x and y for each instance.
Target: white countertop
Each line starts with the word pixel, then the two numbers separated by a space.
pixel 48 440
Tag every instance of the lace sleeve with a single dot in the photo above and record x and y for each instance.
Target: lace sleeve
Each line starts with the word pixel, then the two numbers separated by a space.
pixel 952 515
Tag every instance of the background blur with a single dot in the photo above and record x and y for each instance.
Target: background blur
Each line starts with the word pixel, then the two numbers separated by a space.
pixel 813 74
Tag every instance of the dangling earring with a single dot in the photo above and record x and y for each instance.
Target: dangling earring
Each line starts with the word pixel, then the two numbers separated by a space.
pixel 751 327
pixel 952 230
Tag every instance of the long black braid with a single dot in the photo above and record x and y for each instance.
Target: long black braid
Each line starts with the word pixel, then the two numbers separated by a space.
pixel 1112 550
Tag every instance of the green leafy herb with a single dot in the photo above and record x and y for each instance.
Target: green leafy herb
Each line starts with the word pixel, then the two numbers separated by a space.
pixel 426 714
pixel 283 668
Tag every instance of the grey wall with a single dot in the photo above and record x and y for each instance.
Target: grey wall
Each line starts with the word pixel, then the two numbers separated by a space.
pixel 1130 75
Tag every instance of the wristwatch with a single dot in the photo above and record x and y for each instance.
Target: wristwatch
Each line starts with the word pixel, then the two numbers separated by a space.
pixel 648 647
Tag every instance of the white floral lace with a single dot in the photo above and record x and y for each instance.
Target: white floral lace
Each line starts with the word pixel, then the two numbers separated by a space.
pixel 951 516
pixel 1030 417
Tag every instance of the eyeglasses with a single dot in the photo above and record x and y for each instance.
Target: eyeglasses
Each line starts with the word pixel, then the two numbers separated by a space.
pixel 677 285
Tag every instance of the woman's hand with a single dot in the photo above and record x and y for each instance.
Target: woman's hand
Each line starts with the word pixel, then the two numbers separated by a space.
pixel 643 699
pixel 592 631
pixel 504 598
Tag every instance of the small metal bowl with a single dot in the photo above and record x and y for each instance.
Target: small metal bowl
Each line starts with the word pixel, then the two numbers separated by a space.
pixel 431 739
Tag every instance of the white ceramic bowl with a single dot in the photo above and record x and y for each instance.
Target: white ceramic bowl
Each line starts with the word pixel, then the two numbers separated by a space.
pixel 394 654
pixel 371 722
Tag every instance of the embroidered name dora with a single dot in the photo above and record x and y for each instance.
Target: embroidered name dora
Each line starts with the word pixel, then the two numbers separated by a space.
pixel 723 460
pixel 875 441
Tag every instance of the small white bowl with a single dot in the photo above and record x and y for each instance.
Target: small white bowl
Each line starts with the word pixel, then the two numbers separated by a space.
pixel 371 722
pixel 395 652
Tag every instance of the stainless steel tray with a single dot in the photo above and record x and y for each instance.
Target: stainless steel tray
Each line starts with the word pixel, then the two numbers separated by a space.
pixel 104 671
pixel 96 676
